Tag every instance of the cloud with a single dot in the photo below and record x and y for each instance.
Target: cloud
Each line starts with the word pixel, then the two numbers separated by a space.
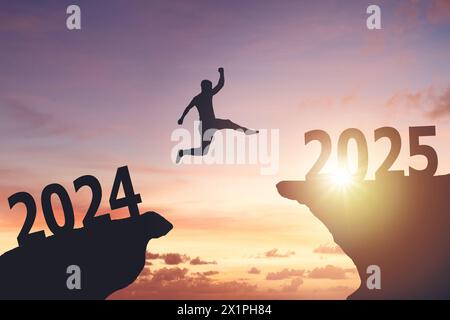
pixel 197 261
pixel 174 258
pixel 24 118
pixel 432 102
pixel 37 117
pixel 25 21
pixel 275 254
pixel 151 256
pixel 166 274
pixel 254 270
pixel 328 272
pixel 439 11
pixel 325 249
pixel 20 111
pixel 207 273
pixel 411 14
pixel 407 15
pixel 441 106
pixel 177 258
pixel 340 288
pixel 351 270
pixel 407 99
pixel 284 274
pixel 145 272
pixel 293 286
pixel 177 283
pixel 169 258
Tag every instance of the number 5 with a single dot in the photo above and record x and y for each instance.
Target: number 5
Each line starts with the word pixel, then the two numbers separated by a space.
pixel 417 149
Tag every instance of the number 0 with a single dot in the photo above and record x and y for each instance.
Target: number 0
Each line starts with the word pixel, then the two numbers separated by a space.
pixel 363 153
pixel 49 215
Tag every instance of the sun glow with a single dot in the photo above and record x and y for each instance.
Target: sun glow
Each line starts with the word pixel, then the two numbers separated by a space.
pixel 342 178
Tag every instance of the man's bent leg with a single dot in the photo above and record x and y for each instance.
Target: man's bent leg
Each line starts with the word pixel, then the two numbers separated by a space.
pixel 200 151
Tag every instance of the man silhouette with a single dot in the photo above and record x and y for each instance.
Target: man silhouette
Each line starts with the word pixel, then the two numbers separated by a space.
pixel 208 120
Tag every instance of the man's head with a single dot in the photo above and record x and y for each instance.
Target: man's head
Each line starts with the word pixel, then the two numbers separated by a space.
pixel 206 86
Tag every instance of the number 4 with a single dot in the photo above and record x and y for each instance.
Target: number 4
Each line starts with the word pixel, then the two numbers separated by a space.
pixel 130 200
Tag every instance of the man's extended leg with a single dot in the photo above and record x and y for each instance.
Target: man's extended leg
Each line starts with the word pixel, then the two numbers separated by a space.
pixel 228 124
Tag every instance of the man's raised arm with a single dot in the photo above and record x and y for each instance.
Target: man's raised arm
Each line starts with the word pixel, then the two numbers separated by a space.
pixel 221 82
pixel 186 111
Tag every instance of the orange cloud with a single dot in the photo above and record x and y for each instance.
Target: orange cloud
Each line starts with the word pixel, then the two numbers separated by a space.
pixel 275 254
pixel 176 283
pixel 284 274
pixel 174 258
pixel 434 105
pixel 254 270
pixel 169 258
pixel 325 249
pixel 328 272
pixel 197 261
pixel 207 273
pixel 441 106
pixel 166 274
pixel 406 99
pixel 293 286
pixel 341 288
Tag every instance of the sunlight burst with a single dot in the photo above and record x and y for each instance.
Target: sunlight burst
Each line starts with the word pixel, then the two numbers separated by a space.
pixel 342 178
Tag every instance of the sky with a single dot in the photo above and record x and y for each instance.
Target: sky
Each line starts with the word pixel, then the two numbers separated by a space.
pixel 89 101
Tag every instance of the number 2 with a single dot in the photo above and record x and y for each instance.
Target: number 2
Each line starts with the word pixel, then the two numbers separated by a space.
pixel 325 142
pixel 24 235
pixel 96 189
pixel 396 144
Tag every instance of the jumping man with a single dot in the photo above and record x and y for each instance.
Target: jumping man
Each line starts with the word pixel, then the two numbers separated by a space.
pixel 204 104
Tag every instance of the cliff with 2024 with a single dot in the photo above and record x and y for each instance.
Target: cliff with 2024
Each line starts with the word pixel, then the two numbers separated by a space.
pixel 110 255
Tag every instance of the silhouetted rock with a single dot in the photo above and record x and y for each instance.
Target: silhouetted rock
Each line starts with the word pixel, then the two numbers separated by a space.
pixel 401 224
pixel 110 254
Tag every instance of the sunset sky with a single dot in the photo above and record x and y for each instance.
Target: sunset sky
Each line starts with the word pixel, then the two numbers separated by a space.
pixel 89 101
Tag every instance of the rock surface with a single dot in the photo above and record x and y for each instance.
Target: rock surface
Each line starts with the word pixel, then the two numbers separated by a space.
pixel 110 254
pixel 401 224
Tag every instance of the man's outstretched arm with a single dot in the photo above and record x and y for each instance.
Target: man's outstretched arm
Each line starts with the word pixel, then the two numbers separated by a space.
pixel 186 111
pixel 221 82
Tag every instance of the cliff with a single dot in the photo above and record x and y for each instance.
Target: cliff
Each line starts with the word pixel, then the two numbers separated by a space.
pixel 110 254
pixel 401 224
